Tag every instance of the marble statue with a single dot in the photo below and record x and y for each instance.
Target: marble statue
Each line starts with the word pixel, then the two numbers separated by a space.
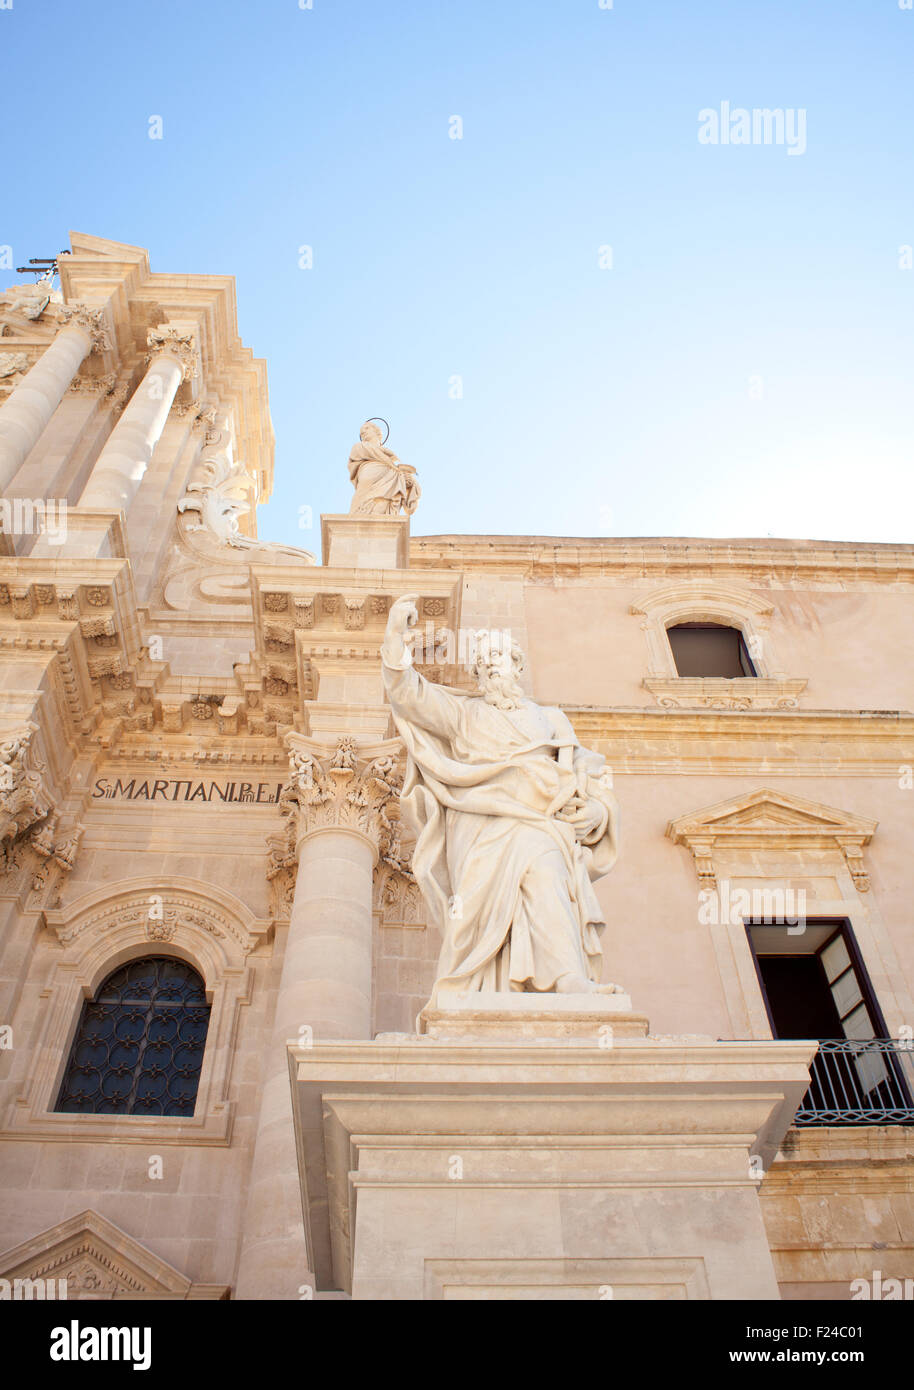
pixel 513 818
pixel 383 485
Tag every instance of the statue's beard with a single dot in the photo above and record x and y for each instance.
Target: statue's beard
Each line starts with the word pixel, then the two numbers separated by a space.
pixel 501 690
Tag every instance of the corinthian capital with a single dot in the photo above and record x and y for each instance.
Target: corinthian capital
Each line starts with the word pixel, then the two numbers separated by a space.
pixel 93 321
pixel 176 343
pixel 23 798
pixel 342 787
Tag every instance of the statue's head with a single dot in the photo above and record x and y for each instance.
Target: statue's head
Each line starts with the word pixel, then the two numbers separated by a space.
pixel 498 664
pixel 370 433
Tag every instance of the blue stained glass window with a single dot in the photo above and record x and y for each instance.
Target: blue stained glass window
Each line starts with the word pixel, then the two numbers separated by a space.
pixel 139 1046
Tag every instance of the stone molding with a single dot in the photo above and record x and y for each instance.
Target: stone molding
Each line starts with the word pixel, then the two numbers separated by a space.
pixel 747 743
pixel 772 820
pixel 372 1117
pixel 194 921
pixel 715 692
pixel 100 1261
pixel 696 600
pixel 620 560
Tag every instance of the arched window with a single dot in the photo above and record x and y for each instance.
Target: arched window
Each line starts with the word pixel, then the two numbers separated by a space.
pixel 139 1046
pixel 709 649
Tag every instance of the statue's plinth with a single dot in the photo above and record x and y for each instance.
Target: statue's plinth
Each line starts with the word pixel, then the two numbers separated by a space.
pixel 365 542
pixel 515 1017
pixel 496 1164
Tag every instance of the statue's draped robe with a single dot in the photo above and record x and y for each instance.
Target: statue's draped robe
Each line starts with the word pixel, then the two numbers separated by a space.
pixel 382 483
pixel 510 883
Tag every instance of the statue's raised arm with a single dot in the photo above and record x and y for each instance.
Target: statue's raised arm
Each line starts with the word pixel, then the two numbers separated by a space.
pixel 513 820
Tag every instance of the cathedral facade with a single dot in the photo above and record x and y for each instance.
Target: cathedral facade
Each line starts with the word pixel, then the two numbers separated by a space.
pixel 227 1071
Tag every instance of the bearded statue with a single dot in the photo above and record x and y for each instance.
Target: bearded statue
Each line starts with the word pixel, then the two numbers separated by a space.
pixel 513 819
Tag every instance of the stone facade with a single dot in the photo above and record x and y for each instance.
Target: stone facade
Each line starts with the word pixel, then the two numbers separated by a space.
pixel 197 761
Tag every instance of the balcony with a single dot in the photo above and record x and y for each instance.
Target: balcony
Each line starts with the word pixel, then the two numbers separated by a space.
pixel 860 1082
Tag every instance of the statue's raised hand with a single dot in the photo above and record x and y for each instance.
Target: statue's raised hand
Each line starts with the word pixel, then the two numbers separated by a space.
pixel 403 614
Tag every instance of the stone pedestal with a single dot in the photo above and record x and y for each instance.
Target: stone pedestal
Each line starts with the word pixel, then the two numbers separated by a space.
pixel 493 1165
pixel 510 1018
pixel 365 542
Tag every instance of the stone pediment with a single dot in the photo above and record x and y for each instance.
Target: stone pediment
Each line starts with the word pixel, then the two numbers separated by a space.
pixel 98 1261
pixel 767 819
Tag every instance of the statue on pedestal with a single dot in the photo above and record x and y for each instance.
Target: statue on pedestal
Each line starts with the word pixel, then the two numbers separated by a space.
pixel 383 485
pixel 514 819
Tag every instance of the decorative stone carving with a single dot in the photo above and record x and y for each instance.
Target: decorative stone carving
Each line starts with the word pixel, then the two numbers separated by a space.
pixel 98 597
pixel 304 612
pixel 176 344
pixel 513 821
pixel 54 853
pixel 770 820
pixel 93 320
pixel 355 614
pixel 340 788
pixel 717 692
pixel 13 363
pixel 383 485
pixel 23 798
pixel 67 604
pixel 220 491
pixel 23 602
pixel 32 300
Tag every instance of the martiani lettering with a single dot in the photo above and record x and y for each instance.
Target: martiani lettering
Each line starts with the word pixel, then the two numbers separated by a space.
pixel 170 789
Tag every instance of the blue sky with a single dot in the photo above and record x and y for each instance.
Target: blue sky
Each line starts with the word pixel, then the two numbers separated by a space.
pixel 744 368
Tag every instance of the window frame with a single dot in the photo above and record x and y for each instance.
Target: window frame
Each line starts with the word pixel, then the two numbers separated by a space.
pixel 144 1043
pixel 209 928
pixel 844 929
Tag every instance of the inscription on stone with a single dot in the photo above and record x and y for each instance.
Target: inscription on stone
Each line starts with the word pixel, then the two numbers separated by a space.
pixel 185 789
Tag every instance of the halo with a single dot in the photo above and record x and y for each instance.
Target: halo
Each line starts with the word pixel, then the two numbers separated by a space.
pixel 379 420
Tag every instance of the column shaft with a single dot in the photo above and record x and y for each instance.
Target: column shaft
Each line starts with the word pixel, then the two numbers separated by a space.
pixel 119 468
pixel 25 414
pixel 325 986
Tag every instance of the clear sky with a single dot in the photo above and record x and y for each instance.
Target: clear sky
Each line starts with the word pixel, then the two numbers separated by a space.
pixel 743 368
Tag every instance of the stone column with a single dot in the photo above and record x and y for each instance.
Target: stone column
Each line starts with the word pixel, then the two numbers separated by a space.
pixel 25 414
pixel 119 468
pixel 335 802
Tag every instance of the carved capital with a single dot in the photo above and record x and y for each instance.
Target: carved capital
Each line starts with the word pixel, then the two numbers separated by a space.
pixel 175 343
pixel 92 320
pixel 23 798
pixel 346 787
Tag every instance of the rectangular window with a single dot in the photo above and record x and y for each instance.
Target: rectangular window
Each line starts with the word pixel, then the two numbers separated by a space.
pixel 815 985
pixel 709 649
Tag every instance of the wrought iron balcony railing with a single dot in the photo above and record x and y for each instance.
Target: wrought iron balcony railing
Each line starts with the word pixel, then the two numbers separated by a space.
pixel 860 1082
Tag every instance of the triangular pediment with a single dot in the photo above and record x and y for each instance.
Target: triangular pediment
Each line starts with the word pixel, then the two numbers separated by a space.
pixel 97 1259
pixel 774 811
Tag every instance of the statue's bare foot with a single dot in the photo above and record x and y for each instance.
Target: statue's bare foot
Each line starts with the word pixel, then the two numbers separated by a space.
pixel 579 984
